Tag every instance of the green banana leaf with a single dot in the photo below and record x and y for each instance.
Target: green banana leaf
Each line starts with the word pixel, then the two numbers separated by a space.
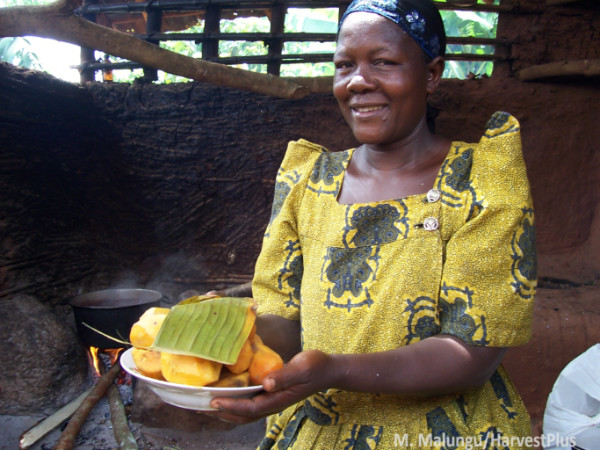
pixel 213 329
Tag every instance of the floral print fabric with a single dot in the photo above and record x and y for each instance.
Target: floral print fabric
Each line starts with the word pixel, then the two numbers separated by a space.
pixel 459 259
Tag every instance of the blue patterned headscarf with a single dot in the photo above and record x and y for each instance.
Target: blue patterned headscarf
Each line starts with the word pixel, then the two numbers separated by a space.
pixel 420 19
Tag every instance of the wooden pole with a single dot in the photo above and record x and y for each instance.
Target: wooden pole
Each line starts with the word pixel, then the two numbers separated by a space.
pixel 276 43
pixel 212 23
pixel 44 427
pixel 69 435
pixel 585 67
pixel 121 431
pixel 88 55
pixel 153 25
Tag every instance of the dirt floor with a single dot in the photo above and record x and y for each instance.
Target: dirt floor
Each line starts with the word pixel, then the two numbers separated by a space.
pixel 97 434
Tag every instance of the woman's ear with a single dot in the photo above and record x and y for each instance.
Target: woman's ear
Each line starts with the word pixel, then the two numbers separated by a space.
pixel 435 70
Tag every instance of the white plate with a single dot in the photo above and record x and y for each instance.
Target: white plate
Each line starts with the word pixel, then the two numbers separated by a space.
pixel 182 395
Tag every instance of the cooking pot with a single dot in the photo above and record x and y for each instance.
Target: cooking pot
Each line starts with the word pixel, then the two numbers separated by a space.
pixel 112 311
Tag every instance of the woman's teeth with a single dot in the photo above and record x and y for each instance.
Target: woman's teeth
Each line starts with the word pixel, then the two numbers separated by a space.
pixel 368 108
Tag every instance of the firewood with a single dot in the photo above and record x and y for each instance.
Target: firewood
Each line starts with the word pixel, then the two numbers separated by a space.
pixel 44 427
pixel 69 435
pixel 123 436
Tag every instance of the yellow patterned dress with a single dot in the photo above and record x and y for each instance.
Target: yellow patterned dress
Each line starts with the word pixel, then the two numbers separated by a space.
pixel 368 277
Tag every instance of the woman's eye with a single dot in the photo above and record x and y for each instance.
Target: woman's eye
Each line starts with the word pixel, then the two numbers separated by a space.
pixel 383 62
pixel 342 65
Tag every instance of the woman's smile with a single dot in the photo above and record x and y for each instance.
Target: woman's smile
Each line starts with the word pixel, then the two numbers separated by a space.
pixel 380 79
pixel 366 111
pixel 366 108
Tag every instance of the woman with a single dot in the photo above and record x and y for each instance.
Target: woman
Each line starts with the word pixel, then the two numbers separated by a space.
pixel 394 275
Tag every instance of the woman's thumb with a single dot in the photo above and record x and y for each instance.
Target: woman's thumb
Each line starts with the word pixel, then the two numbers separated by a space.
pixel 279 380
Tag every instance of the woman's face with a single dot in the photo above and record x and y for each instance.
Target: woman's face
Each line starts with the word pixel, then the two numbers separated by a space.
pixel 381 79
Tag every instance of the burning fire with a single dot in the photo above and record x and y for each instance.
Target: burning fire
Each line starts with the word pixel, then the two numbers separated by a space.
pixel 95 353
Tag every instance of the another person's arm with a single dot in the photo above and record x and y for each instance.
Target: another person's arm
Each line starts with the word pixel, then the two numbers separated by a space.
pixel 241 290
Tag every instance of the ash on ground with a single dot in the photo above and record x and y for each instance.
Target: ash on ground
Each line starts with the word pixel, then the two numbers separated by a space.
pixel 97 432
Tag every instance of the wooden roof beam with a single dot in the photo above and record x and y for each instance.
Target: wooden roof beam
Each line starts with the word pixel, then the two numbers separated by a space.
pixel 583 67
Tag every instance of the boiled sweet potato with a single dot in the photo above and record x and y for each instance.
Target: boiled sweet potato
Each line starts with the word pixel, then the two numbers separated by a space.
pixel 147 362
pixel 231 380
pixel 184 369
pixel 264 361
pixel 244 360
pixel 144 331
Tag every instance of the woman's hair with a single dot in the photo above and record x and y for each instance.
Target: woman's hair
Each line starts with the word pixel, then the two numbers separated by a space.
pixel 420 19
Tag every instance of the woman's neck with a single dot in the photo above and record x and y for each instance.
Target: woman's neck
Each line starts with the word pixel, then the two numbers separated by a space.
pixel 406 156
pixel 388 172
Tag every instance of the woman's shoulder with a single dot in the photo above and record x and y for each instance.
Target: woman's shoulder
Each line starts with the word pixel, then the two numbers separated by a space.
pixel 494 165
pixel 502 133
pixel 303 145
pixel 302 155
pixel 500 126
pixel 501 138
pixel 500 145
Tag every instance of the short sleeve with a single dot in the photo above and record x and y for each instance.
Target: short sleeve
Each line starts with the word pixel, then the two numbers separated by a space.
pixel 279 267
pixel 489 276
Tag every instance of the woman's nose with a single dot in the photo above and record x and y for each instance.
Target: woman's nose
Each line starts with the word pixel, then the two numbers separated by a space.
pixel 360 81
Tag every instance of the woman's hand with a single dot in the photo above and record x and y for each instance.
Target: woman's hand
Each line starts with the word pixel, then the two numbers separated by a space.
pixel 434 366
pixel 306 373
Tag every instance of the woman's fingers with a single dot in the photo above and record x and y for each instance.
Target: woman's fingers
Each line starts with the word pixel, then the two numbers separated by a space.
pixel 301 377
pixel 238 411
pixel 251 409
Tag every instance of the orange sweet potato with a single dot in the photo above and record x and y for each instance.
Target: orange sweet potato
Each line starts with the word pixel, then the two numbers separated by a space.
pixel 231 380
pixel 244 359
pixel 184 369
pixel 264 361
pixel 147 362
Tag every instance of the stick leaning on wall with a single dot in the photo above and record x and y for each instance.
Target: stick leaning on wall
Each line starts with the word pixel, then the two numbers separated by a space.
pixel 57 21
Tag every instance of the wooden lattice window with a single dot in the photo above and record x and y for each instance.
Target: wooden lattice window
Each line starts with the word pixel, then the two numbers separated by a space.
pixel 285 34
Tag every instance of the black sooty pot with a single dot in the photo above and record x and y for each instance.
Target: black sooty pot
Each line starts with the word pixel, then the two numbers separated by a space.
pixel 111 311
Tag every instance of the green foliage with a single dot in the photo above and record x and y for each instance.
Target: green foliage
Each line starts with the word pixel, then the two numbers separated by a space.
pixel 245 25
pixel 226 48
pixel 320 20
pixel 299 20
pixel 469 24
pixel 18 51
pixel 244 48
pixel 4 3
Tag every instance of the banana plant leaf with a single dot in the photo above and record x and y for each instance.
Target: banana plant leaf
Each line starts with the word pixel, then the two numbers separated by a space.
pixel 213 329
